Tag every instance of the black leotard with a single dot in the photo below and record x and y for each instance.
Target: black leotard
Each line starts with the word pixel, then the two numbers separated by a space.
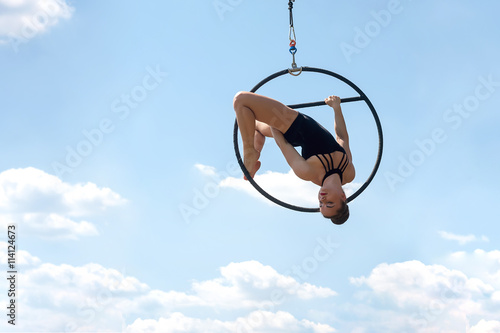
pixel 315 140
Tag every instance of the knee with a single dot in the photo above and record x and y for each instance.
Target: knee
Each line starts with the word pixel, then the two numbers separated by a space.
pixel 240 98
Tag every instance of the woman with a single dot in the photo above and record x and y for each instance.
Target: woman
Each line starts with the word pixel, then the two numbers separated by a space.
pixel 324 161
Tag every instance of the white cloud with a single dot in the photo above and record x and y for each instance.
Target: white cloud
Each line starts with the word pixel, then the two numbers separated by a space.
pixel 206 169
pixel 22 20
pixel 286 187
pixel 67 298
pixel 46 206
pixel 177 322
pixel 428 298
pixel 245 285
pixel 413 283
pixel 34 191
pixel 479 263
pixel 398 297
pixel 486 326
pixel 23 258
pixel 251 284
pixel 94 298
pixel 255 322
pixel 461 239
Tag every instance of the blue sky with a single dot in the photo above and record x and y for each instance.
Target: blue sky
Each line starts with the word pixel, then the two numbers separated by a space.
pixel 118 168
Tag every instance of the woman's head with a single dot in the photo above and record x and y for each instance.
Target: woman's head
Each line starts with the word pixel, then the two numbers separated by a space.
pixel 333 205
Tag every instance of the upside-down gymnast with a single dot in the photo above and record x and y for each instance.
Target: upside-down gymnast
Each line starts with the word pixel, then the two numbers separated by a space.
pixel 324 160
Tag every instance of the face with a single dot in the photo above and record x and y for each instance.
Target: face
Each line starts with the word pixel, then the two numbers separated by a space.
pixel 330 202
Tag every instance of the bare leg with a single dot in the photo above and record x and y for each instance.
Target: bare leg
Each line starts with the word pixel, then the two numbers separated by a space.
pixel 261 132
pixel 259 141
pixel 246 123
pixel 255 113
pixel 263 129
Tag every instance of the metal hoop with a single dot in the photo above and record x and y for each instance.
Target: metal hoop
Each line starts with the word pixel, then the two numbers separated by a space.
pixel 362 97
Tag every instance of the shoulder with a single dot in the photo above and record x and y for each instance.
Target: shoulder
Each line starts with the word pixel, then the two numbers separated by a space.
pixel 349 173
pixel 305 170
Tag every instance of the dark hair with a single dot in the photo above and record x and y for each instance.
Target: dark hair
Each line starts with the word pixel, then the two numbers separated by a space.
pixel 342 215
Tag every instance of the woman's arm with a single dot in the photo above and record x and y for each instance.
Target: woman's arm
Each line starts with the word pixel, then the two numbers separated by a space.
pixel 340 126
pixel 298 164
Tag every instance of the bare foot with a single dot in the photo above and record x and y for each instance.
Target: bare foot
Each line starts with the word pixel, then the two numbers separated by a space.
pixel 251 161
pixel 257 167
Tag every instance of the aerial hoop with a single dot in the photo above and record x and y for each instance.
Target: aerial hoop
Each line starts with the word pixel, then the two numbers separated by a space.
pixel 361 97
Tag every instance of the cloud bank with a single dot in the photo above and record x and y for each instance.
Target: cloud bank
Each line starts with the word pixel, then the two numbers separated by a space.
pixel 249 296
pixel 286 187
pixel 462 239
pixel 412 296
pixel 22 20
pixel 48 207
pixel 94 298
pixel 459 294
